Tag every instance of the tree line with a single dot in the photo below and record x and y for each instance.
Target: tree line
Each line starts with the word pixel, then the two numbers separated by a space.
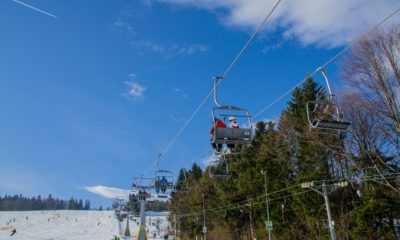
pixel 367 156
pixel 21 203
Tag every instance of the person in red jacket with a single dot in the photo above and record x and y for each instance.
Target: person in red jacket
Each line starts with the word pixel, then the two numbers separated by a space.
pixel 219 124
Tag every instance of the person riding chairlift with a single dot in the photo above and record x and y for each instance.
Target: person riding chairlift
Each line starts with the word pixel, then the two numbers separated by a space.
pixel 157 188
pixel 164 183
pixel 232 124
pixel 140 195
pixel 219 124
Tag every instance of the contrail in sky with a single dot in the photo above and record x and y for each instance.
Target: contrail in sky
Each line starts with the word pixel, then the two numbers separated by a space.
pixel 36 9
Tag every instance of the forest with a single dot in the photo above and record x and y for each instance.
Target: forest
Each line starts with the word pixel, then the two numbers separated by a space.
pixel 21 203
pixel 291 167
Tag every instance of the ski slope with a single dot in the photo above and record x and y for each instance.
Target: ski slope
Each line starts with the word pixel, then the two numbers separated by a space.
pixel 75 225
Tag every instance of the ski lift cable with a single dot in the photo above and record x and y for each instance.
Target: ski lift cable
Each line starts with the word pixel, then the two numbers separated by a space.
pixel 212 90
pixel 180 131
pixel 250 40
pixel 381 176
pixel 328 62
pixel 205 153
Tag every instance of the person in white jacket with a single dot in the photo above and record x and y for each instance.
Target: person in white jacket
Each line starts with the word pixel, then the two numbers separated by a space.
pixel 232 124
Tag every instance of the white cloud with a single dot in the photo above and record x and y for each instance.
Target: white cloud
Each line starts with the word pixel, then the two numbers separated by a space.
pixel 122 25
pixel 270 48
pixel 327 23
pixel 135 89
pixel 108 192
pixel 179 91
pixel 209 160
pixel 169 50
pixel 175 119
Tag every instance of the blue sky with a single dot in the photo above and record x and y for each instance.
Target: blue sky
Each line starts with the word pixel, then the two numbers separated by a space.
pixel 91 96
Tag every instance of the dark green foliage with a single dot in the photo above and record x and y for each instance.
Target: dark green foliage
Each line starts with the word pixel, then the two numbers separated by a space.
pixel 374 213
pixel 21 203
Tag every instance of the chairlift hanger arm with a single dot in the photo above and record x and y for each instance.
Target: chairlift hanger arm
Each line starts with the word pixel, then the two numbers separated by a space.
pixel 158 161
pixel 217 79
pixel 328 83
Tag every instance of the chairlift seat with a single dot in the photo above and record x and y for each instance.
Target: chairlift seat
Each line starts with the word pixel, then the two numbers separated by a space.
pixel 332 125
pixel 329 118
pixel 218 170
pixel 182 187
pixel 323 113
pixel 165 184
pixel 232 135
pixel 181 190
pixel 219 176
pixel 183 184
pixel 162 196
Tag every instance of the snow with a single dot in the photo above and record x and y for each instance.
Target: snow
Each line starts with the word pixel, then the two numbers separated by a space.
pixel 75 225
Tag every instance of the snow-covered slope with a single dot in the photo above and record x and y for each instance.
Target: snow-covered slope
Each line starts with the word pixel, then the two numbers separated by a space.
pixel 73 225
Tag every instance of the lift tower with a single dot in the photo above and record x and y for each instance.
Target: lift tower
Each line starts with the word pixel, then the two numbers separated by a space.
pixel 143 186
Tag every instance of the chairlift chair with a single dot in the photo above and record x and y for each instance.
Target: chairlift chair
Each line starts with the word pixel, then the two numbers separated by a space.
pixel 219 169
pixel 323 113
pixel 182 185
pixel 133 197
pixel 162 195
pixel 163 180
pixel 228 135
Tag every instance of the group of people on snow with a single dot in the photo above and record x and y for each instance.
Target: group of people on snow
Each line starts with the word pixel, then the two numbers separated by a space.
pixel 218 123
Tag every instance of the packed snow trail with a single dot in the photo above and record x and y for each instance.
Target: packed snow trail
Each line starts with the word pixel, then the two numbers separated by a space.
pixel 73 225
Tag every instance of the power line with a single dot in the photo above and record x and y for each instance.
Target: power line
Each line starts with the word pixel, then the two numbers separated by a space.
pixel 252 199
pixel 327 62
pixel 238 204
pixel 211 91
